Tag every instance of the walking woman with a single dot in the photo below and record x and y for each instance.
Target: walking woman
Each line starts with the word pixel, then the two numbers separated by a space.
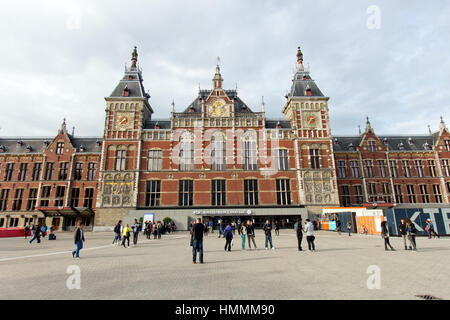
pixel 309 229
pixel 385 236
pixel 243 232
pixel 411 231
pixel 126 235
pixel 228 234
pixel 277 228
pixel 250 230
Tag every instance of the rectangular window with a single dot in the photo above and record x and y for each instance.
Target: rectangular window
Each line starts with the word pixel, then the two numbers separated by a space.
pixel 281 159
pixel 411 193
pixel 251 192
pixel 382 168
pixel 9 171
pixel 217 153
pixel 345 196
pixel 447 145
pixel 406 168
pixel 385 188
pixel 23 172
pixel 446 168
pixel 74 197
pixel 13 222
pixel 398 193
pixel 185 192
pixel 372 191
pixel 419 168
pixel 154 160
pixel 121 160
pixel 59 196
pixel 315 158
pixel 354 167
pixel 4 194
pixel 342 169
pixel 218 192
pixel 32 198
pixel 249 155
pixel 2 222
pixel 63 169
pixel 372 146
pixel 88 198
pixel 60 148
pixel 49 171
pixel 432 168
pixel 92 171
pixel 358 194
pixel 153 193
pixel 45 196
pixel 394 168
pixel 37 168
pixel 368 168
pixel 437 193
pixel 448 186
pixel 283 191
pixel 425 197
pixel 78 174
pixel 17 202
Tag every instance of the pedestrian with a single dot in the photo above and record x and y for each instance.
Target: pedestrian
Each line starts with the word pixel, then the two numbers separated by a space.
pixel 160 227
pixel 233 226
pixel 385 236
pixel 228 235
pixel 277 228
pixel 250 234
pixel 44 231
pixel 155 230
pixel 430 229
pixel 243 232
pixel 78 239
pixel 299 230
pixel 136 230
pixel 52 236
pixel 197 237
pixel 338 226
pixel 268 232
pixel 239 225
pixel 309 229
pixel 411 229
pixel 126 235
pixel 26 230
pixel 349 228
pixel 211 226
pixel 402 227
pixel 117 232
pixel 37 234
pixel 205 228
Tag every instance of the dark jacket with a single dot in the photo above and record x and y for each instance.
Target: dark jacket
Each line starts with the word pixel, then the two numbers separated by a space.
pixel 250 231
pixel 402 227
pixel 197 231
pixel 299 229
pixel 411 229
pixel 78 236
pixel 267 229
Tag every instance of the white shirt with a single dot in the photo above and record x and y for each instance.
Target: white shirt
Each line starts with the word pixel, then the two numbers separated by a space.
pixel 309 229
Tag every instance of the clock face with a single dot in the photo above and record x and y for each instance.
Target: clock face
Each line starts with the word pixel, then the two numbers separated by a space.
pixel 311 120
pixel 124 120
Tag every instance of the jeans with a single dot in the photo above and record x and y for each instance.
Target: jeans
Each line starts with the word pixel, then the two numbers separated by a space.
pixel 310 240
pixel 269 239
pixel 228 243
pixel 197 245
pixel 116 237
pixel 36 237
pixel 243 241
pixel 250 239
pixel 135 237
pixel 76 252
pixel 404 240
pixel 299 239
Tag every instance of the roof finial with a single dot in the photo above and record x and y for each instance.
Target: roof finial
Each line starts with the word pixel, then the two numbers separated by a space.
pixel 63 126
pixel 262 104
pixel 299 59
pixel 442 125
pixel 429 129
pixel 134 56
pixel 368 126
pixel 359 129
pixel 173 105
pixel 217 80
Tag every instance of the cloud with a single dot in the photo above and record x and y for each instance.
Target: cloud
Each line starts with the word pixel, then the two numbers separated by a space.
pixel 60 59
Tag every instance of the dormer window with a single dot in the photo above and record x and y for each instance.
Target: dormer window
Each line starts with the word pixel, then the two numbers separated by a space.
pixel 426 146
pixel 126 92
pixel 385 141
pixel 447 145
pixel 82 148
pixel 336 141
pixel 29 148
pixel 46 144
pixel 157 126
pixel 2 148
pixel 351 147
pixel 191 109
pixel 401 146
pixel 410 141
pixel 278 125
pixel 308 91
pixel 60 148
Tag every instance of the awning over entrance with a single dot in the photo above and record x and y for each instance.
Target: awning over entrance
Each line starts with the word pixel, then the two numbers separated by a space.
pixel 65 211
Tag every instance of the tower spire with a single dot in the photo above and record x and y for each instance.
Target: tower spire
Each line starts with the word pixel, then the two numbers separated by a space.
pixel 368 126
pixel 217 80
pixel 442 124
pixel 134 56
pixel 299 59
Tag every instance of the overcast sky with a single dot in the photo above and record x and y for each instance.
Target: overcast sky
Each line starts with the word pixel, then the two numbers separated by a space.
pixel 59 59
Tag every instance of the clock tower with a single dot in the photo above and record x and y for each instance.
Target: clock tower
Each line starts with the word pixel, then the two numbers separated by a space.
pixel 127 110
pixel 307 109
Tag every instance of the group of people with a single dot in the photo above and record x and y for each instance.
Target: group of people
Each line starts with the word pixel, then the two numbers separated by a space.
pixel 246 231
pixel 339 227
pixel 122 233
pixel 38 231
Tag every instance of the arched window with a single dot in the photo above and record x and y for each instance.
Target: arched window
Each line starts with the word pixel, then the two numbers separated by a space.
pixel 186 152
pixel 121 158
pixel 249 151
pixel 218 152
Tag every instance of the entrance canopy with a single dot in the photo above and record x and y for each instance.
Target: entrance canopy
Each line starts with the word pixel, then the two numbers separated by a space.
pixel 65 211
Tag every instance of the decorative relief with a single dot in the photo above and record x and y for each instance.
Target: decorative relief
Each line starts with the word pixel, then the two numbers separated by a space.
pixel 117 190
pixel 318 188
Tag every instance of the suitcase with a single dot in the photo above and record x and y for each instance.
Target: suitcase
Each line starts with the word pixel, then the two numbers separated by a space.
pixel 52 236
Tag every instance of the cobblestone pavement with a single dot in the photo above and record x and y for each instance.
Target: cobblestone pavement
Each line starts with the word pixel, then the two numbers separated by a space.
pixel 163 269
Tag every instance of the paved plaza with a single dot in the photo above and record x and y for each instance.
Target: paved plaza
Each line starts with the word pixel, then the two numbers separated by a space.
pixel 163 269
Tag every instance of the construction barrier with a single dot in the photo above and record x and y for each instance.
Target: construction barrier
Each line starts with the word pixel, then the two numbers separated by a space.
pixel 363 220
pixel 12 232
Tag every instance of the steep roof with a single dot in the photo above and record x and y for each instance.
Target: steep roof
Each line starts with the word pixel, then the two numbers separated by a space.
pixel 394 143
pixel 18 145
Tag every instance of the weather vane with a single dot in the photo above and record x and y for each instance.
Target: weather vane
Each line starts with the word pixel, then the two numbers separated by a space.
pixel 218 60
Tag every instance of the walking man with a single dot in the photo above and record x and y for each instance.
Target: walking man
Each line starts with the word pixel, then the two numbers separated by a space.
pixel 37 234
pixel 402 228
pixel 299 231
pixel 268 232
pixel 277 228
pixel 197 244
pixel 250 234
pixel 228 234
pixel 309 229
pixel 411 229
pixel 117 237
pixel 385 235
pixel 79 239
pixel 136 230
